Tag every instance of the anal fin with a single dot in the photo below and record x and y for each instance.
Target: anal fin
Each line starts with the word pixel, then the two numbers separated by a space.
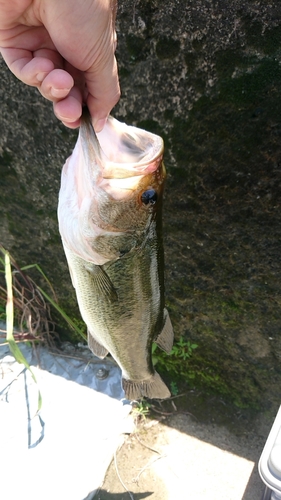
pixel 166 338
pixel 153 388
pixel 96 348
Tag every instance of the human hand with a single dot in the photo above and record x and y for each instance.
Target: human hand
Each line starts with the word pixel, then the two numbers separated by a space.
pixel 66 49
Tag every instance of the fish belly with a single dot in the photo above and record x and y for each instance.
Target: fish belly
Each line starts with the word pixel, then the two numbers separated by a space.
pixel 122 304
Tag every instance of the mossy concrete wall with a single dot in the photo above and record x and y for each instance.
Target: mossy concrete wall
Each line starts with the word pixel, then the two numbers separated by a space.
pixel 205 75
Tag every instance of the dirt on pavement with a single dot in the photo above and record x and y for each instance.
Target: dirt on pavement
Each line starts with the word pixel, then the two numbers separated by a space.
pixel 209 453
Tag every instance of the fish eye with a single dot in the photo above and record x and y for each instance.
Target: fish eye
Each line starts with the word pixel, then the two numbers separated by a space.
pixel 149 197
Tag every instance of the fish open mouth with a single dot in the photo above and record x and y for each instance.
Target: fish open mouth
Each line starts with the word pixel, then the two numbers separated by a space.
pixel 128 151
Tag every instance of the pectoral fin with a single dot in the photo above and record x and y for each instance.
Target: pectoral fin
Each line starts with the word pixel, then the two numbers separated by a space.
pixel 96 348
pixel 166 338
pixel 101 281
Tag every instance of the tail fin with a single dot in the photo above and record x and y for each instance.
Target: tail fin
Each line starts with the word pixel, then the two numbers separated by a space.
pixel 153 388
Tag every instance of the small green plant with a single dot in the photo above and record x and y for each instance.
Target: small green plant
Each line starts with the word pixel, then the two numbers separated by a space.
pixel 181 351
pixel 141 410
pixel 174 388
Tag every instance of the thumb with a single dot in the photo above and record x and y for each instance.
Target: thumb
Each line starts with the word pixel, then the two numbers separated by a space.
pixel 103 90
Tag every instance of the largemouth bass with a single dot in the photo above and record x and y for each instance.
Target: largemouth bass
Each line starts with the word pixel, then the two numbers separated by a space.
pixel 110 221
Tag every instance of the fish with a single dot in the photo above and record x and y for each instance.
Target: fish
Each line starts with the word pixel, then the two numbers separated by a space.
pixel 110 222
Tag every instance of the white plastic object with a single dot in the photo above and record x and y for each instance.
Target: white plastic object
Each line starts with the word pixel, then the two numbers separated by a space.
pixel 270 460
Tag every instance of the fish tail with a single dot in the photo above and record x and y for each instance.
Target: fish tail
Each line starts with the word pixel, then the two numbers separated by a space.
pixel 153 388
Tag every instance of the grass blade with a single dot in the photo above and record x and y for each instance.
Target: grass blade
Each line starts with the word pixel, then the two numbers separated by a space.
pixel 14 348
pixel 62 313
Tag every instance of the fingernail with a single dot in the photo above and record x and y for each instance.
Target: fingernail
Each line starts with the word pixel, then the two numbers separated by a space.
pixel 100 124
pixel 58 93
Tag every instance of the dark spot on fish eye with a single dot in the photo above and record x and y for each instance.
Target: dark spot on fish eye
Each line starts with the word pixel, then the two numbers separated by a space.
pixel 149 197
